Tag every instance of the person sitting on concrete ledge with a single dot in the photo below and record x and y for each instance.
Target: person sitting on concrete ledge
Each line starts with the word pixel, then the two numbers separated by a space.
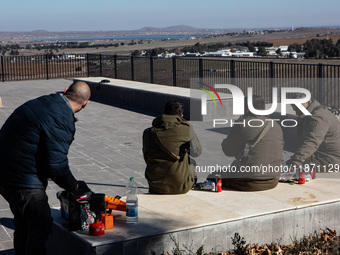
pixel 319 135
pixel 258 151
pixel 166 149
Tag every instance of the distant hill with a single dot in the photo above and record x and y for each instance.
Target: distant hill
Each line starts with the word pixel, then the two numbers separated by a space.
pixel 179 28
pixel 40 31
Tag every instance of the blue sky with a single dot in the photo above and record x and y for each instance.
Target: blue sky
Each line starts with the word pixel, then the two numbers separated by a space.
pixel 86 15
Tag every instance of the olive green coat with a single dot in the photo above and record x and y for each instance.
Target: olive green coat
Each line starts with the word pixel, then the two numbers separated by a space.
pixel 267 152
pixel 166 148
pixel 320 138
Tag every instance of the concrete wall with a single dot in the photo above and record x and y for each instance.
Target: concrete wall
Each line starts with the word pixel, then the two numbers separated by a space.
pixel 281 227
pixel 152 98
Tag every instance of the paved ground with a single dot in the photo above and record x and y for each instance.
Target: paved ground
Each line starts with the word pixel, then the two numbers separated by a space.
pixel 107 146
pixel 105 153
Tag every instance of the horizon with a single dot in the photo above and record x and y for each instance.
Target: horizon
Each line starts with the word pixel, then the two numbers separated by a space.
pixel 85 15
pixel 174 26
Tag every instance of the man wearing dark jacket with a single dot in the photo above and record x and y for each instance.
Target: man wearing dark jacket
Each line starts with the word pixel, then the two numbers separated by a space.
pixel 34 143
pixel 166 149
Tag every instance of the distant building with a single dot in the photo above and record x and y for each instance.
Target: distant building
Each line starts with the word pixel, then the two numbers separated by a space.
pixel 219 53
pixel 283 48
pixel 242 54
pixel 288 54
pixel 190 54
pixel 166 55
pixel 271 51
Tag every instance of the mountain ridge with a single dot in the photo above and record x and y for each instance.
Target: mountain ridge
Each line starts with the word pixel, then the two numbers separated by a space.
pixel 171 28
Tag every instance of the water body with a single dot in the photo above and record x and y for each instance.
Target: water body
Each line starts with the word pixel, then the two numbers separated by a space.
pixel 135 38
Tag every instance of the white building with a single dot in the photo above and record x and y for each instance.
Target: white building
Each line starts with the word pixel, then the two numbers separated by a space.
pixel 219 53
pixel 190 54
pixel 242 54
pixel 283 48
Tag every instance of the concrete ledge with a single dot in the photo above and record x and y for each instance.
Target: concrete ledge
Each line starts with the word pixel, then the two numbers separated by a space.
pixel 152 97
pixel 211 219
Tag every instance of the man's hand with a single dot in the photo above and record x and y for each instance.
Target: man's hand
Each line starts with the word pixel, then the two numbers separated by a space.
pixel 291 166
pixel 81 189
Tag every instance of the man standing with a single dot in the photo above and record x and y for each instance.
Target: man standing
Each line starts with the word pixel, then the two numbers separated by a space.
pixel 257 148
pixel 34 143
pixel 319 135
pixel 166 149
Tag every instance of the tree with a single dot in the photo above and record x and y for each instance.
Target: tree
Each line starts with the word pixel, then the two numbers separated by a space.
pixel 278 52
pixel 135 53
pixel 177 51
pixel 14 52
pixel 251 48
pixel 262 51
pixel 295 47
pixel 316 48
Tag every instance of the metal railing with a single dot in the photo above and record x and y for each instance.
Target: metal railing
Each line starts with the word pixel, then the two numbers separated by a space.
pixel 323 80
pixel 14 68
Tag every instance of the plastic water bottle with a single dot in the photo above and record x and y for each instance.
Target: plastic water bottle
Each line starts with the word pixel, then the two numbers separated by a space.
pixel 131 202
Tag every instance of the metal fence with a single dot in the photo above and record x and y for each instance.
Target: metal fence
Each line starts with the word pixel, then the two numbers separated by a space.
pixel 322 80
pixel 16 68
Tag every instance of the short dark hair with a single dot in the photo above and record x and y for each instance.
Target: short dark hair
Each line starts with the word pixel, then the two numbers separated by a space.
pixel 173 108
pixel 258 103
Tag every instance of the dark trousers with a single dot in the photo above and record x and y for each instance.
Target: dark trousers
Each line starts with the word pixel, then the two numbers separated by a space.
pixel 32 219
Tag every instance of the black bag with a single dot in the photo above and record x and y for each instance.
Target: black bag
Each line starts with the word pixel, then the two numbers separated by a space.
pixel 70 207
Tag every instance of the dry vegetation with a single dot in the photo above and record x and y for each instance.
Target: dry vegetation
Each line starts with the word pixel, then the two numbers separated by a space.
pixel 327 242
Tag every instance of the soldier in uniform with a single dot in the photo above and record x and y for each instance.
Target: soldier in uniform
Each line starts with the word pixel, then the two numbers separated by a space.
pixel 263 161
pixel 319 135
pixel 166 149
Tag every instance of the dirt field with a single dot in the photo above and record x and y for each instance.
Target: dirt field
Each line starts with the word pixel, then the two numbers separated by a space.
pixel 299 36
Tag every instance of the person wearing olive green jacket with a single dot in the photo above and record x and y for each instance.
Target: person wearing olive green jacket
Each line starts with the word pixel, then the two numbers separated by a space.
pixel 319 134
pixel 265 156
pixel 166 149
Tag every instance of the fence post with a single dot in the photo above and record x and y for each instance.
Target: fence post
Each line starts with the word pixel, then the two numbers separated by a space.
pixel 115 65
pixel 320 76
pixel 151 70
pixel 46 59
pixel 132 69
pixel 2 69
pixel 88 64
pixel 174 75
pixel 200 68
pixel 232 72
pixel 272 75
pixel 232 69
pixel 100 66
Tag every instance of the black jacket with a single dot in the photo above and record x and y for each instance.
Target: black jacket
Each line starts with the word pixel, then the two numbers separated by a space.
pixel 34 143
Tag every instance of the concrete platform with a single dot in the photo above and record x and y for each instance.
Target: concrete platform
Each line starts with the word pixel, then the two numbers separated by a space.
pixel 108 150
pixel 211 219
